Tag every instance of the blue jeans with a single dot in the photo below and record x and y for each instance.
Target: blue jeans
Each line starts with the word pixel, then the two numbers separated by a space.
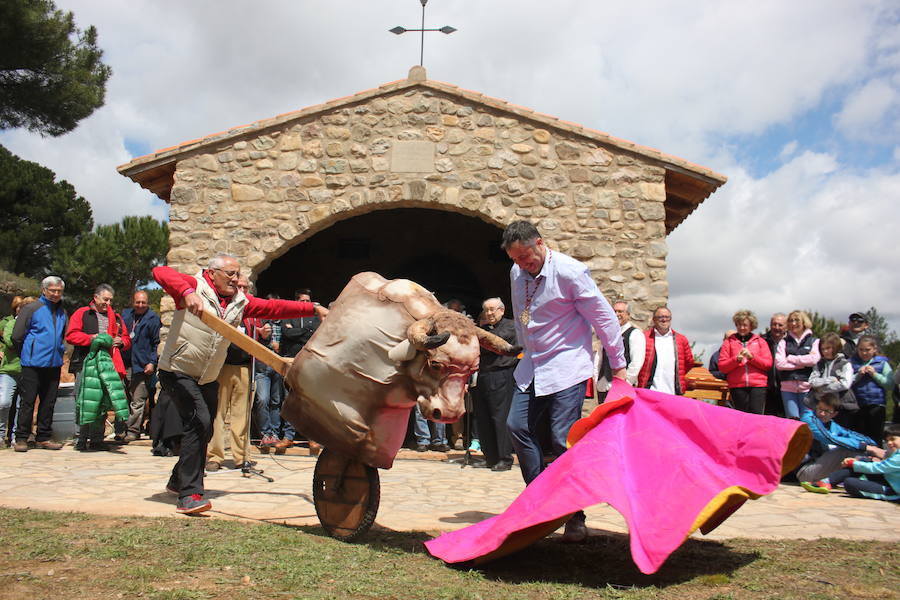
pixel 527 412
pixel 423 433
pixel 8 386
pixel 793 404
pixel 269 396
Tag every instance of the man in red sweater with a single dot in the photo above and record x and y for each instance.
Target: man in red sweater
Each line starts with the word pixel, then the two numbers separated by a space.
pixel 193 355
pixel 667 356
pixel 85 324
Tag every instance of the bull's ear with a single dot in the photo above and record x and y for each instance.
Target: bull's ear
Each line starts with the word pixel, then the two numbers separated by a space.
pixel 402 352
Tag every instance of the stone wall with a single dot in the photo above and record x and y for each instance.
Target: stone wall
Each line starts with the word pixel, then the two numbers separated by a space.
pixel 259 196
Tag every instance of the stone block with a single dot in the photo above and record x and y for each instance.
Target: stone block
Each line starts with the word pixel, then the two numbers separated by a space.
pixel 207 163
pixel 657 249
pixel 287 161
pixel 552 181
pixel 182 194
pixel 567 151
pixel 245 193
pixel 289 142
pixel 552 200
pixel 652 191
pixel 652 211
pixel 541 136
pixel 313 149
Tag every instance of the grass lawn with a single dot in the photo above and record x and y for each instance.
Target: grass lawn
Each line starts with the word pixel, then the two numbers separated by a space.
pixel 64 556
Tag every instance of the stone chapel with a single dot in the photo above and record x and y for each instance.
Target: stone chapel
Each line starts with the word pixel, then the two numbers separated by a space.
pixel 417 179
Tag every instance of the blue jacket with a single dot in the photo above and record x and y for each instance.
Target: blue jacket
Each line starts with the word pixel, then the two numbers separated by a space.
pixel 868 390
pixel 38 334
pixel 144 339
pixel 833 434
pixel 889 468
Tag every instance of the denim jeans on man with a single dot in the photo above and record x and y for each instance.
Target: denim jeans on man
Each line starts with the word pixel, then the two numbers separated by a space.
pixel 269 396
pixel 562 408
pixel 422 431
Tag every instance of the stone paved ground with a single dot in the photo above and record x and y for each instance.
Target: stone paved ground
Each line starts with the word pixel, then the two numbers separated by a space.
pixel 421 492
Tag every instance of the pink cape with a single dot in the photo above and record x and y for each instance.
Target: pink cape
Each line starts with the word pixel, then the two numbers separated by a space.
pixel 669 464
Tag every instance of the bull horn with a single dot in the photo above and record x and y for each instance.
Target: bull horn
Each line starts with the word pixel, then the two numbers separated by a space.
pixel 495 343
pixel 402 352
pixel 419 335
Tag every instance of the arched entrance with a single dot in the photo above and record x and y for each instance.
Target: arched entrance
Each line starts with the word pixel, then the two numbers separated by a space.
pixel 453 255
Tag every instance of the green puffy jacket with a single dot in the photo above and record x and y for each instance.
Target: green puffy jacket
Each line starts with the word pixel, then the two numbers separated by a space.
pixel 9 364
pixel 101 387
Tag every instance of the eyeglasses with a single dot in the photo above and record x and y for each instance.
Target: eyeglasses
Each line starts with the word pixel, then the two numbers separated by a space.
pixel 662 318
pixel 825 411
pixel 228 274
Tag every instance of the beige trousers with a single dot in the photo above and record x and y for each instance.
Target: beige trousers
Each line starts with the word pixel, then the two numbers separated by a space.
pixel 234 401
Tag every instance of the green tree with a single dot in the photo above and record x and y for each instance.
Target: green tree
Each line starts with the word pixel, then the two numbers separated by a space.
pixel 121 255
pixel 822 324
pixel 51 75
pixel 878 326
pixel 37 214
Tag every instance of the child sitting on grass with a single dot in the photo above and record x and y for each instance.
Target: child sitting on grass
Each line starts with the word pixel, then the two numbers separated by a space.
pixel 880 479
pixel 832 443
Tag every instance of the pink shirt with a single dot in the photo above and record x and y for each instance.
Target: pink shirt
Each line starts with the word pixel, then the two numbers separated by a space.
pixel 786 362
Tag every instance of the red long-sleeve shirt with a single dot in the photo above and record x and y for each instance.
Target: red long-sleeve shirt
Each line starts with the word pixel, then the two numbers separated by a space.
pixel 176 284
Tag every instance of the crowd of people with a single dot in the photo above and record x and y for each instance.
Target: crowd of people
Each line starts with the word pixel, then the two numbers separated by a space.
pixel 201 388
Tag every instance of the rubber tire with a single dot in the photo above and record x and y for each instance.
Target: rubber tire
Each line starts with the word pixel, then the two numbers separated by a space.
pixel 321 497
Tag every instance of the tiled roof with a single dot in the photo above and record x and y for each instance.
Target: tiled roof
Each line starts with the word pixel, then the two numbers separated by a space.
pixel 155 171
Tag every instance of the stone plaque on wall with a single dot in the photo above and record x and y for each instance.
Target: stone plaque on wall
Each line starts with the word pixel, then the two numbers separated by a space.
pixel 412 156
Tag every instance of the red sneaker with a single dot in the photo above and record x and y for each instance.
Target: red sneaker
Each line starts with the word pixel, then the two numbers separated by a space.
pixel 192 504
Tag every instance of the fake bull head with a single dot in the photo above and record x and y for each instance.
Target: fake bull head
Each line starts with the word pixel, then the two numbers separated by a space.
pixel 440 354
pixel 385 346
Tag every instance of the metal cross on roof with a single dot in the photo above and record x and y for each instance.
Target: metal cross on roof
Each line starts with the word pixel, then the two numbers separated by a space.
pixel 398 30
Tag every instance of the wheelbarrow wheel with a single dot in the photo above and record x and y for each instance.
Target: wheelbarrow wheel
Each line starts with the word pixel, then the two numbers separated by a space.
pixel 346 494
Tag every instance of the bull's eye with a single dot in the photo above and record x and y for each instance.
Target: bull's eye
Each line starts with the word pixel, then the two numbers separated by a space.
pixel 435 365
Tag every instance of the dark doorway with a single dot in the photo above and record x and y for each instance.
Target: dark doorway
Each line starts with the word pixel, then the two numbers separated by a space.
pixel 452 255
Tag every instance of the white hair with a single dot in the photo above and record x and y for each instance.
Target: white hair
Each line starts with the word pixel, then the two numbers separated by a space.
pixel 52 280
pixel 218 261
pixel 499 301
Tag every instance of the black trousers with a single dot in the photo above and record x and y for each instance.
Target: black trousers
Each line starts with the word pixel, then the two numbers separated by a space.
pixel 196 406
pixel 749 399
pixel 492 399
pixel 870 421
pixel 43 383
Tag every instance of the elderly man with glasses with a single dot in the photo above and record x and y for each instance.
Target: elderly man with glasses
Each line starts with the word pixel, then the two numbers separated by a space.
pixel 193 355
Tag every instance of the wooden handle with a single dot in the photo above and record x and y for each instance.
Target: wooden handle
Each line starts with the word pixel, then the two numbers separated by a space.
pixel 246 343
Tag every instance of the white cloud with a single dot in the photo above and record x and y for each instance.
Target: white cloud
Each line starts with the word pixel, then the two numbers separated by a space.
pixel 871 112
pixel 811 235
pixel 788 150
pixel 682 77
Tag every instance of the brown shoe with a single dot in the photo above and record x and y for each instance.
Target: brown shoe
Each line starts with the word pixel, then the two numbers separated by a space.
pixel 20 446
pixel 284 443
pixel 48 445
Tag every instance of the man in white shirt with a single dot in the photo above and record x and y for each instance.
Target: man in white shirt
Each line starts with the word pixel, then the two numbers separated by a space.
pixel 667 356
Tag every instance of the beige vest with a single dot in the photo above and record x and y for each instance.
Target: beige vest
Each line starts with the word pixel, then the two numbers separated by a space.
pixel 191 347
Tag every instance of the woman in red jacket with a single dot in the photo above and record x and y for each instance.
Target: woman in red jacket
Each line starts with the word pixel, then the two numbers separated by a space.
pixel 746 359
